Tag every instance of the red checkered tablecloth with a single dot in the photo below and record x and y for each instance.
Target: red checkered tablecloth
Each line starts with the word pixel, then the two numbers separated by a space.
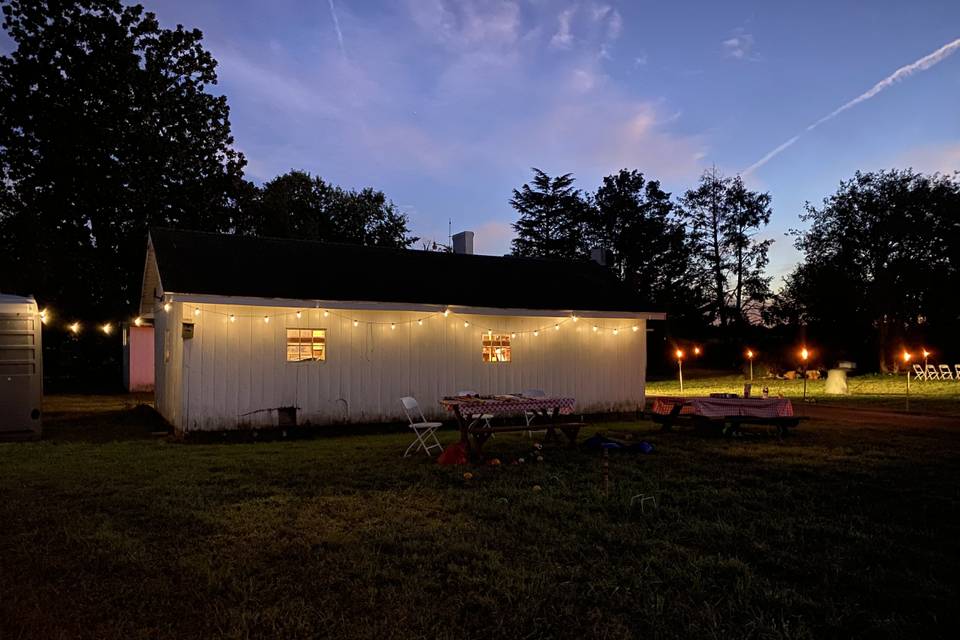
pixel 726 407
pixel 508 405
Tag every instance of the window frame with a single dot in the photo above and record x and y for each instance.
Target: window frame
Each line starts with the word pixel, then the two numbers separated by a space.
pixel 311 346
pixel 491 342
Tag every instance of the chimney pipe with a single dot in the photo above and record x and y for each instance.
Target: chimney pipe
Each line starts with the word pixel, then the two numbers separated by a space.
pixel 600 255
pixel 463 242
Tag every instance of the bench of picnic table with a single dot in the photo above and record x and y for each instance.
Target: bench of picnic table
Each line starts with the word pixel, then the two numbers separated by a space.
pixel 668 420
pixel 568 429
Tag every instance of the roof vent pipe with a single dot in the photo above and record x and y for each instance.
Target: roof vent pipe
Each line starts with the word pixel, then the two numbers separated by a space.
pixel 463 242
pixel 600 255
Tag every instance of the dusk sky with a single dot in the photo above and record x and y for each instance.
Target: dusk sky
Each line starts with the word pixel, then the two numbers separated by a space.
pixel 446 105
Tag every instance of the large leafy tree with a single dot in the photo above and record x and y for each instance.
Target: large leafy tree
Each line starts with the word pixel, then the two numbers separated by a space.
pixel 107 126
pixel 881 265
pixel 723 218
pixel 552 215
pixel 298 205
pixel 635 218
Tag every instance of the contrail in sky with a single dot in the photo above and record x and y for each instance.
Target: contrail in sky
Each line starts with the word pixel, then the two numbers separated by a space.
pixel 902 73
pixel 336 26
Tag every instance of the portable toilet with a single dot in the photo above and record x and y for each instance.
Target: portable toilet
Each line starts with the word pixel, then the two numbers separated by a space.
pixel 21 368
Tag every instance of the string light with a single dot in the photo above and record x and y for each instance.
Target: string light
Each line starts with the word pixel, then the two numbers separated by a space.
pixel 595 328
pixel 138 321
pixel 574 318
pixel 420 322
pixel 75 327
pixel 556 327
pixel 356 323
pixel 616 331
pixel 233 318
pixel 466 324
pixel 513 335
pixel 196 311
pixel 266 319
pixel 696 351
pixel 166 306
pixel 325 313
pixel 446 312
pixel 536 333
pixel 298 314
pixel 392 326
pixel 635 328
pixel 43 316
pixel 107 328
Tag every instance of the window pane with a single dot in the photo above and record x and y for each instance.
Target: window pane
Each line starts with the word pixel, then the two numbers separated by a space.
pixel 495 347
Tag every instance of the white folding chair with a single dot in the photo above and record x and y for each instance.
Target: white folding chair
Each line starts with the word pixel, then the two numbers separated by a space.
pixel 932 373
pixel 918 372
pixel 945 372
pixel 423 430
pixel 485 417
pixel 530 416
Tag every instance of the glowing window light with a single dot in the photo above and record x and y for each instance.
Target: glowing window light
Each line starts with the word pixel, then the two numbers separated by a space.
pixel 138 321
pixel 107 328
pixel 356 323
pixel 75 327
pixel 266 319
pixel 196 311
pixel 233 318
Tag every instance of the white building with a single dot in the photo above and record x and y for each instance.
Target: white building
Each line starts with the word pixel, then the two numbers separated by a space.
pixel 256 332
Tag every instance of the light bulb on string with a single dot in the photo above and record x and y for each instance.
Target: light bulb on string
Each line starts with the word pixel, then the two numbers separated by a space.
pixel 574 318
pixel 392 326
pixel 75 328
pixel 513 335
pixel 466 324
pixel 536 333
pixel 43 316
pixel 556 327
pixel 446 312
pixel 196 311
pixel 635 328
pixel 356 323
pixel 325 313
pixel 233 318
pixel 298 314
pixel 107 328
pixel 420 322
pixel 166 306
pixel 616 331
pixel 138 321
pixel 595 328
pixel 266 319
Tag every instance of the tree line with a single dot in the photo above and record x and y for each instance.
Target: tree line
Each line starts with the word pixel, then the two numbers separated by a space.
pixel 109 125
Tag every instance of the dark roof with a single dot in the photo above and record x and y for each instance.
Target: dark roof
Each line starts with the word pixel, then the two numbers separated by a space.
pixel 230 265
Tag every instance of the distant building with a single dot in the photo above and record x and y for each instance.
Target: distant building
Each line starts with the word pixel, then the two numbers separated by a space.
pixel 256 332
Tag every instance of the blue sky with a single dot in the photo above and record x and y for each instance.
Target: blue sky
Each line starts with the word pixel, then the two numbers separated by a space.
pixel 446 105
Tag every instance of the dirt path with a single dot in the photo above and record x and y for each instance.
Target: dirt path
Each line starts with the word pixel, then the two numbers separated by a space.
pixel 874 417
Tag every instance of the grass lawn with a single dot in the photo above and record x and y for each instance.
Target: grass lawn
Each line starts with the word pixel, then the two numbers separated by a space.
pixel 837 531
pixel 867 391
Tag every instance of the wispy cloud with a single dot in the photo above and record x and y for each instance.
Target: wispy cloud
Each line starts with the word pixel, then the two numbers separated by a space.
pixel 563 38
pixel 902 73
pixel 336 27
pixel 739 45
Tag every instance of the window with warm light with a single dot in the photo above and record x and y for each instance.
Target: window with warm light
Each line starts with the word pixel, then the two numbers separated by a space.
pixel 306 345
pixel 496 347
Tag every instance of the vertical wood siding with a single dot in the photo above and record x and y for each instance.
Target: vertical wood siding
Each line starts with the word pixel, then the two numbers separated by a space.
pixel 235 375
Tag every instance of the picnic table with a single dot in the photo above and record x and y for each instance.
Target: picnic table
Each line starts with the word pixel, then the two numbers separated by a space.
pixel 469 409
pixel 777 412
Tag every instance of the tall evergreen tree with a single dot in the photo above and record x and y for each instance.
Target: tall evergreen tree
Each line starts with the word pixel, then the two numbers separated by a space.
pixel 552 215
pixel 107 126
pixel 723 219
